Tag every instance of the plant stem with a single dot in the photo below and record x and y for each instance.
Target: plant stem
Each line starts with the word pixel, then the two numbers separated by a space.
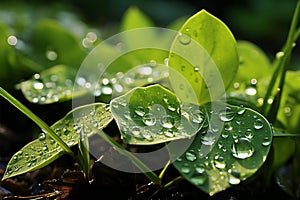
pixel 37 120
pixel 164 170
pixel 147 172
pixel 281 64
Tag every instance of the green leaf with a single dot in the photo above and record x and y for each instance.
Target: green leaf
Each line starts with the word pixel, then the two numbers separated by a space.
pixel 152 115
pixel 135 18
pixel 254 73
pixel 205 53
pixel 87 119
pixel 288 113
pixel 53 44
pixel 230 148
pixel 51 85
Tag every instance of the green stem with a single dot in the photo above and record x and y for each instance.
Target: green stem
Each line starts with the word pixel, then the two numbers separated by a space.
pixel 164 170
pixel 281 65
pixel 166 186
pixel 147 172
pixel 37 120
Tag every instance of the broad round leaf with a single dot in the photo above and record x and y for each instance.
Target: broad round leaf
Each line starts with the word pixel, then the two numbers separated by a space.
pixel 205 53
pixel 230 148
pixel 152 115
pixel 87 119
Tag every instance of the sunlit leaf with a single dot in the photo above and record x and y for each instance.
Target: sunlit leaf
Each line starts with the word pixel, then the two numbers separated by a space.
pixel 230 148
pixel 135 18
pixel 205 53
pixel 51 85
pixel 254 73
pixel 87 119
pixel 152 115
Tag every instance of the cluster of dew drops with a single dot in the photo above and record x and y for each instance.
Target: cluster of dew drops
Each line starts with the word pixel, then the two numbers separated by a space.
pixel 196 165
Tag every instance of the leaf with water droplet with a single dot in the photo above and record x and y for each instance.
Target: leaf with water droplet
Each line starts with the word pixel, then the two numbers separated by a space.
pixel 40 152
pixel 253 75
pixel 198 55
pixel 153 114
pixel 51 85
pixel 288 113
pixel 227 155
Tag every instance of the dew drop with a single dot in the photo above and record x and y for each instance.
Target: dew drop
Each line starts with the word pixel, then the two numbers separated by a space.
pixel 241 110
pixel 199 179
pixel 190 156
pixel 185 168
pixel 228 127
pixel 42 136
pixel 250 91
pixel 168 133
pixel 242 148
pixel 200 168
pixel 226 115
pixel 258 124
pixel 196 69
pixel 266 141
pixel 136 131
pixel 197 116
pixel 233 177
pixel 149 119
pixel 140 111
pixel 184 39
pixel 208 138
pixel 219 162
pixel 249 133
pixel 167 121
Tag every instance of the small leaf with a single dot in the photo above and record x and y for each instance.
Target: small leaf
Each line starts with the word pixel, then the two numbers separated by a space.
pixel 152 115
pixel 51 85
pixel 230 148
pixel 87 119
pixel 135 18
pixel 205 53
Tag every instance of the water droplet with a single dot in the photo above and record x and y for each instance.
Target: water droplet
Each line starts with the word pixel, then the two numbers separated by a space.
pixel 208 138
pixel 12 40
pixel 190 156
pixel 149 119
pixel 242 148
pixel 250 91
pixel 226 115
pixel 167 121
pixel 140 111
pixel 42 136
pixel 199 178
pixel 233 177
pixel 197 116
pixel 258 124
pixel 185 168
pixel 279 54
pixel 241 110
pixel 196 69
pixel 38 85
pixel 228 127
pixel 147 135
pixel 249 133
pixel 266 141
pixel 127 115
pixel 168 133
pixel 184 39
pixel 219 162
pixel 200 168
pixel 136 131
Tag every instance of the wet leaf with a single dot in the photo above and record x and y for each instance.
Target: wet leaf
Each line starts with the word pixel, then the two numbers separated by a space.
pixel 197 53
pixel 87 120
pixel 229 148
pixel 51 85
pixel 153 114
pixel 288 113
pixel 253 76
